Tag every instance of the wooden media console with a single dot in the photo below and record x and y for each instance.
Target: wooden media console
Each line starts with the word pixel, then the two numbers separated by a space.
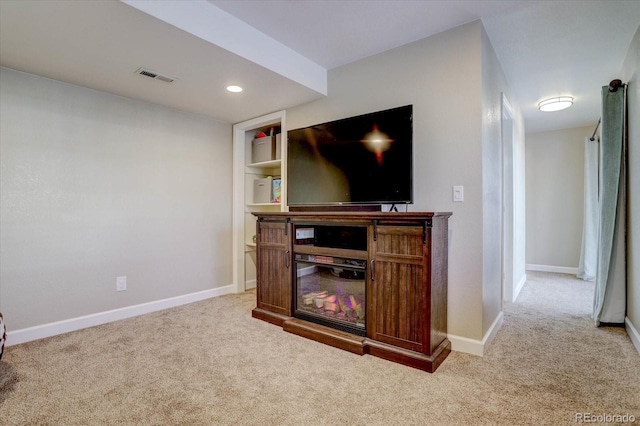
pixel 366 282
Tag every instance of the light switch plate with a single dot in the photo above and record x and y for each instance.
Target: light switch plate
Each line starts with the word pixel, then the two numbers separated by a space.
pixel 121 283
pixel 458 193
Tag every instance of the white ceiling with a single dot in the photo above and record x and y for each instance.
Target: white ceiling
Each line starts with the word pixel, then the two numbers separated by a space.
pixel 279 50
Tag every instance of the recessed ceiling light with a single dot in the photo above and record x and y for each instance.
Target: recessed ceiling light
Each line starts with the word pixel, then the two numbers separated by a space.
pixel 555 104
pixel 234 89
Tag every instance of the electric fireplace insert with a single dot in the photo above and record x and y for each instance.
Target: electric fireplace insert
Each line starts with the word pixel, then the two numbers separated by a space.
pixel 331 291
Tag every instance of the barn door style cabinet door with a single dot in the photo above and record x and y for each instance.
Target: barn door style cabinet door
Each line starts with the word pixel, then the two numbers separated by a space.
pixel 407 292
pixel 397 282
pixel 273 270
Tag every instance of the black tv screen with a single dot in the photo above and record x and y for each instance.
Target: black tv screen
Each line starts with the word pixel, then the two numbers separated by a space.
pixel 359 160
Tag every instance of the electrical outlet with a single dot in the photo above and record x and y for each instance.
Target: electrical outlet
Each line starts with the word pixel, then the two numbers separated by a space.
pixel 121 283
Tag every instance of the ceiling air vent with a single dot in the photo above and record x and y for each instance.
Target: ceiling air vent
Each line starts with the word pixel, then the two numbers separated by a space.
pixel 154 75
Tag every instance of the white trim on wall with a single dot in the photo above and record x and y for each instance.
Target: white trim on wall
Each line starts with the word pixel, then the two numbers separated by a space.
pixel 238 221
pixel 556 269
pixel 519 286
pixel 59 327
pixel 476 347
pixel 633 333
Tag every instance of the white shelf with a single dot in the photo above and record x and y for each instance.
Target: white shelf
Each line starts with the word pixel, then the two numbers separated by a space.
pixel 265 164
pixel 264 204
pixel 245 173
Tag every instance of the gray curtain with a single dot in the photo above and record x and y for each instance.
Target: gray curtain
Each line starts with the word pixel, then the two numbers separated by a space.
pixel 589 251
pixel 609 302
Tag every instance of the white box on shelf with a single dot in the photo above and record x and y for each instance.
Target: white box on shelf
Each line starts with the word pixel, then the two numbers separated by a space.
pixel 262 190
pixel 262 149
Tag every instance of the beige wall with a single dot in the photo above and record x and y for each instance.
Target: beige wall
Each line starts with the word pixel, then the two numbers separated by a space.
pixel 95 186
pixel 492 171
pixel 498 163
pixel 442 77
pixel 555 196
pixel 630 74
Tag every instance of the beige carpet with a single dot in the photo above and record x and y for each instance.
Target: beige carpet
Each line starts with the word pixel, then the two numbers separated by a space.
pixel 210 363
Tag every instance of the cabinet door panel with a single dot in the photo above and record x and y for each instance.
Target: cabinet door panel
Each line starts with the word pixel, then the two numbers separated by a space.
pixel 274 266
pixel 399 286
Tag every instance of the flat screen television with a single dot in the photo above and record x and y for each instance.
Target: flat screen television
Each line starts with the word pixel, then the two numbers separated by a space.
pixel 365 159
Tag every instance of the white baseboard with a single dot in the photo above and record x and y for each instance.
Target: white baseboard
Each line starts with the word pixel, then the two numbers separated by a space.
pixel 250 284
pixel 633 333
pixel 466 345
pixel 518 289
pixel 476 347
pixel 556 269
pixel 59 327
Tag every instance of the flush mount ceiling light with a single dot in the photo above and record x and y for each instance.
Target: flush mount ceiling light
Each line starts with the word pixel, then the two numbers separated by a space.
pixel 555 104
pixel 234 89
